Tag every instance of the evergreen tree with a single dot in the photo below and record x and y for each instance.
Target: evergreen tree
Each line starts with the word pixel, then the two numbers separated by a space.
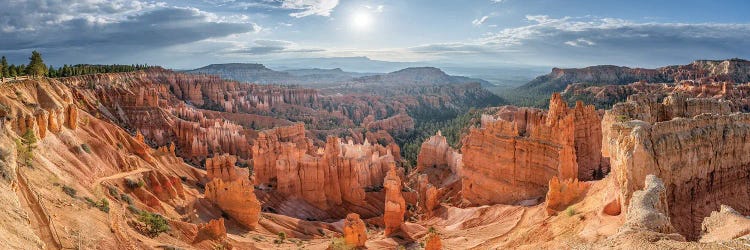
pixel 51 72
pixel 36 65
pixel 12 70
pixel 4 67
pixel 25 147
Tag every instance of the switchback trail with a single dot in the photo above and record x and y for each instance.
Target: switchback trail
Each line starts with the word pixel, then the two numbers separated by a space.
pixel 39 219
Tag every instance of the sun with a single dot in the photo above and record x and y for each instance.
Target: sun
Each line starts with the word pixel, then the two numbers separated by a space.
pixel 361 20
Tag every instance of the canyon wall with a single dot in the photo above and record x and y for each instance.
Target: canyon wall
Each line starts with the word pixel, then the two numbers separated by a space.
pixel 516 151
pixel 697 146
pixel 288 165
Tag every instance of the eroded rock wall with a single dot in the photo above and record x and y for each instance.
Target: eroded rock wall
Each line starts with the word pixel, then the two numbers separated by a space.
pixel 700 157
pixel 287 164
pixel 515 152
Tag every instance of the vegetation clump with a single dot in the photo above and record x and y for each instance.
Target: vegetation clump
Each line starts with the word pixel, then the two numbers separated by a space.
pixel 570 211
pixel 114 192
pixel 281 239
pixel 102 204
pixel 126 198
pixel 85 147
pixel 425 126
pixel 339 244
pixel 25 147
pixel 133 183
pixel 72 192
pixel 154 223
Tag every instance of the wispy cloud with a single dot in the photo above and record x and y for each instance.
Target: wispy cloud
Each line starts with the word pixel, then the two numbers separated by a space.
pixel 556 40
pixel 480 21
pixel 310 7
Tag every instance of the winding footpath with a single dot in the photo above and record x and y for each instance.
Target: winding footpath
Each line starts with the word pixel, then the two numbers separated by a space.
pixel 38 216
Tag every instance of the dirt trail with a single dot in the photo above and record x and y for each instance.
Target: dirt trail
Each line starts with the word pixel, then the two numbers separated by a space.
pixel 115 223
pixel 38 217
pixel 119 175
pixel 116 217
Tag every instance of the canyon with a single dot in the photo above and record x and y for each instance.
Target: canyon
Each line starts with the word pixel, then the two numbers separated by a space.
pixel 156 158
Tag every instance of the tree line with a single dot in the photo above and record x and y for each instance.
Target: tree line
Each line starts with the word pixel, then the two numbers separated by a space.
pixel 37 67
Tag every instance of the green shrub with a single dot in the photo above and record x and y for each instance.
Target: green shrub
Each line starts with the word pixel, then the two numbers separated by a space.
pixel 282 237
pixel 339 244
pixel 86 148
pixel 622 118
pixel 570 211
pixel 25 148
pixel 69 191
pixel 155 223
pixel 102 205
pixel 126 198
pixel 113 192
pixel 133 183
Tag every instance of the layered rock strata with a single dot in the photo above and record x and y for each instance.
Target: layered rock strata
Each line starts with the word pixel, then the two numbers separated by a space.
pixel 563 193
pixel 287 164
pixel 355 232
pixel 516 151
pixel 695 145
pixel 237 199
pixel 395 205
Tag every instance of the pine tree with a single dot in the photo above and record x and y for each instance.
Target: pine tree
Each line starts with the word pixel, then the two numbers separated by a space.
pixel 25 147
pixel 51 71
pixel 12 70
pixel 4 67
pixel 36 65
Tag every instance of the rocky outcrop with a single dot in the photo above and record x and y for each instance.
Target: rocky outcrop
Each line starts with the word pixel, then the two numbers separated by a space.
pixel 214 230
pixel 437 153
pixel 287 164
pixel 736 70
pixel 355 232
pixel 724 225
pixel 395 205
pixel 166 188
pixel 223 167
pixel 648 209
pixel 397 124
pixel 697 155
pixel 563 193
pixel 433 242
pixel 516 151
pixel 270 144
pixel 237 199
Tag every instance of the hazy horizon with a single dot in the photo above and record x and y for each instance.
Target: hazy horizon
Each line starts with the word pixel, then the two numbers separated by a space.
pixel 474 34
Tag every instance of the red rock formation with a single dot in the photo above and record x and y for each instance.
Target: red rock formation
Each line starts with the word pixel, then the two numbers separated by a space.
pixel 214 230
pixel 517 151
pixel 397 124
pixel 436 153
pixel 612 208
pixel 698 157
pixel 269 144
pixel 286 164
pixel 42 122
pixel 237 199
pixel 563 193
pixel 395 205
pixel 355 232
pixel 433 242
pixel 223 167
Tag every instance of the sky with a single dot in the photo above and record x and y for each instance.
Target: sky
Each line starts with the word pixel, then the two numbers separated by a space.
pixel 186 34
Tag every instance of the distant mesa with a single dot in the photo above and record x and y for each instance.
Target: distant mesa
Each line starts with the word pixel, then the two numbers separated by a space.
pixel 736 70
pixel 259 73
